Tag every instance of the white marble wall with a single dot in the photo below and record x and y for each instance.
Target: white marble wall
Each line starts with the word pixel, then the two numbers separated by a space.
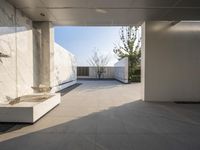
pixel 24 41
pixel 20 50
pixel 16 65
pixel 121 70
pixel 65 67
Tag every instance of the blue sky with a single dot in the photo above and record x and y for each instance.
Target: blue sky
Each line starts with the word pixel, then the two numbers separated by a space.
pixel 82 41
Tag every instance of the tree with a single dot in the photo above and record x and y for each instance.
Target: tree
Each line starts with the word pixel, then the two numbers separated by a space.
pixel 99 61
pixel 130 47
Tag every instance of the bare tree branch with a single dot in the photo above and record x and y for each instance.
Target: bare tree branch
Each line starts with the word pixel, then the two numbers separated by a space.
pixel 99 61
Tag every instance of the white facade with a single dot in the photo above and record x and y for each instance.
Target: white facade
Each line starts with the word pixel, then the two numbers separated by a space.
pixel 92 73
pixel 65 68
pixel 16 42
pixel 170 61
pixel 121 70
pixel 21 57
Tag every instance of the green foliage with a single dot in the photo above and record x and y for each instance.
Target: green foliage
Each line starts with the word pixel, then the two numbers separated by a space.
pixel 130 47
pixel 135 76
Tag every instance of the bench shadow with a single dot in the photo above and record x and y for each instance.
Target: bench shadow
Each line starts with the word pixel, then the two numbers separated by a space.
pixel 69 89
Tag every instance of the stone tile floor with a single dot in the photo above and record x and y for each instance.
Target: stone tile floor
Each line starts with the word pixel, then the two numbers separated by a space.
pixel 108 115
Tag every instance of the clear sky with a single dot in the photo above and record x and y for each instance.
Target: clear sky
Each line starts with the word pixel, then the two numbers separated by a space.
pixel 82 41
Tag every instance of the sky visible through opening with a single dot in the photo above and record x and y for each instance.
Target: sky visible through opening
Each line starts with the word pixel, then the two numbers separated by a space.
pixel 82 41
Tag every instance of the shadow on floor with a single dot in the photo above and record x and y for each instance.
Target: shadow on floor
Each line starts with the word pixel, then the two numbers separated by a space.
pixel 4 127
pixel 134 126
pixel 10 127
pixel 67 90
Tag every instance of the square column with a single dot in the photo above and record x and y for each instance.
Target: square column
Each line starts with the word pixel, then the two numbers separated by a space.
pixel 45 51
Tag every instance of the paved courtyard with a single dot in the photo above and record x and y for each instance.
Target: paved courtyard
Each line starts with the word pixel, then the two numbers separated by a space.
pixel 108 115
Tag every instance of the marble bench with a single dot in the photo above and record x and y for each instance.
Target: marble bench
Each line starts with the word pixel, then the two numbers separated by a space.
pixel 28 110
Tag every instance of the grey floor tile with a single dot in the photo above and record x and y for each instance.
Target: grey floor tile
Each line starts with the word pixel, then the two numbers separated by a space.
pixel 113 142
pixel 157 142
pixel 107 115
pixel 109 125
pixel 50 141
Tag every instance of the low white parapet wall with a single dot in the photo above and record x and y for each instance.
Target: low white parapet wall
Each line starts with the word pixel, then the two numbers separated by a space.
pixel 65 68
pixel 121 70
pixel 90 72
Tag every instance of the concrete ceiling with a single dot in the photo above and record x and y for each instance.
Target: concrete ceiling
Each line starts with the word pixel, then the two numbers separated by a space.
pixel 108 12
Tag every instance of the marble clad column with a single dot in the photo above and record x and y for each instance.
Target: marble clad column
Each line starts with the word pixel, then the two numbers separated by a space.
pixel 46 56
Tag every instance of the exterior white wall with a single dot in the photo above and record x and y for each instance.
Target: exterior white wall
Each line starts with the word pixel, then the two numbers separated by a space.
pixel 108 74
pixel 16 42
pixel 65 68
pixel 171 61
pixel 121 70
pixel 20 42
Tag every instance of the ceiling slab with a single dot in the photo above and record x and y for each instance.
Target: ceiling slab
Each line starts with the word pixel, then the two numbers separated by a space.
pixel 108 12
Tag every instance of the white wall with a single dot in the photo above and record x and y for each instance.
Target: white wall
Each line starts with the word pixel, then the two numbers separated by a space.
pixel 108 74
pixel 65 67
pixel 20 71
pixel 121 70
pixel 171 61
pixel 15 41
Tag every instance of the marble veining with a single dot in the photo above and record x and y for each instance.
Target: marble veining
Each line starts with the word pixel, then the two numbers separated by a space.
pixel 65 68
pixel 16 43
